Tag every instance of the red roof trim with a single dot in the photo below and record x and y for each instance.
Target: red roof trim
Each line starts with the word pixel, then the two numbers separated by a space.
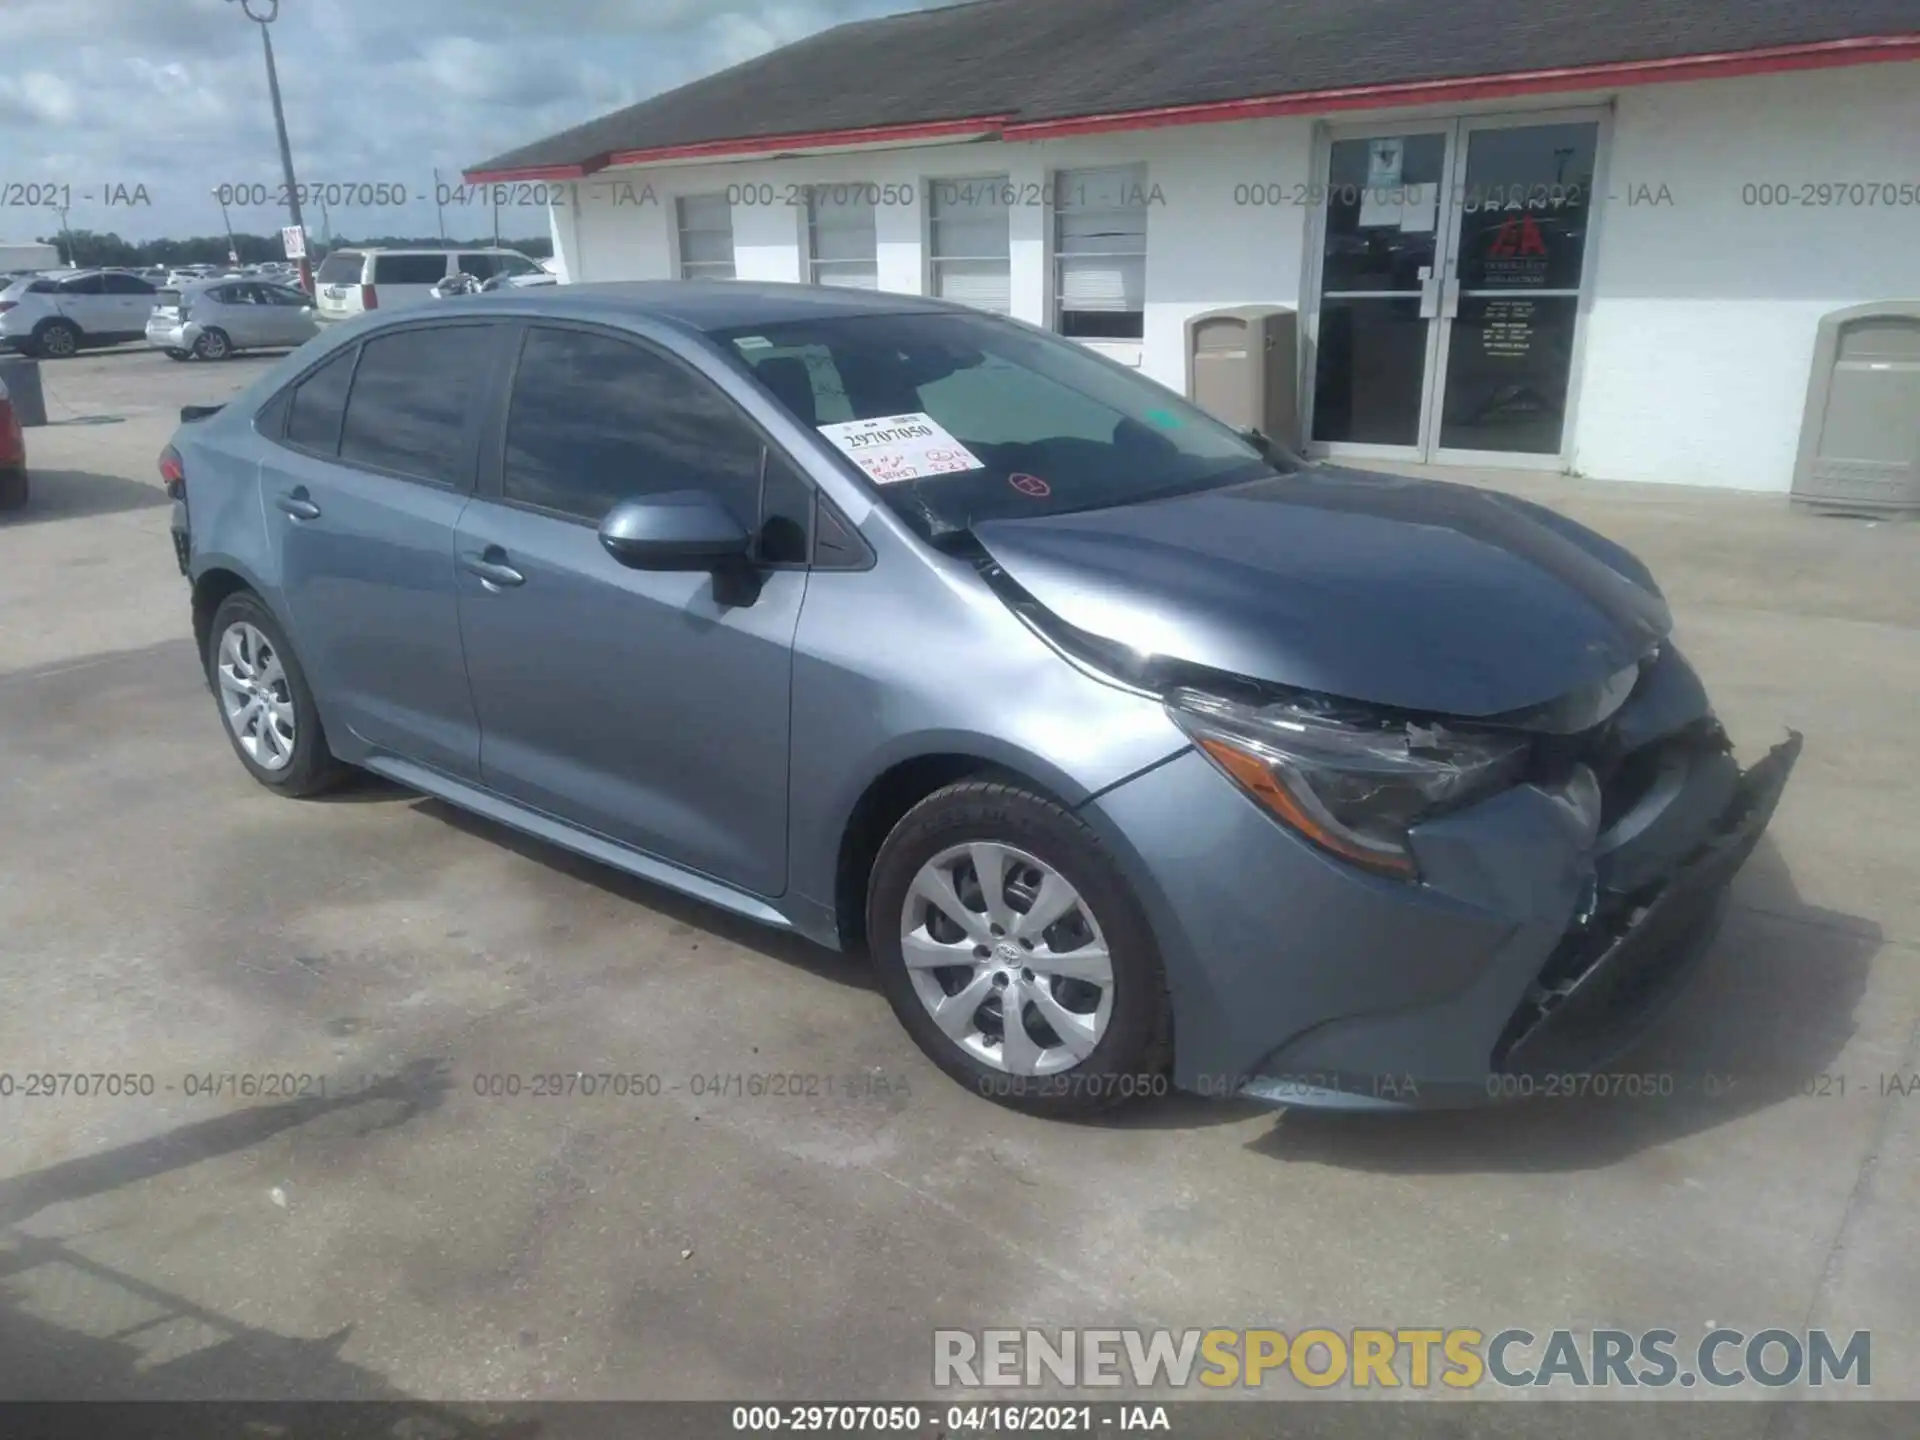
pixel 533 172
pixel 1821 55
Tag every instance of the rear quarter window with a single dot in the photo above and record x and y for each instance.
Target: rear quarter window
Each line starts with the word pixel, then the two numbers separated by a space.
pixel 409 269
pixel 342 267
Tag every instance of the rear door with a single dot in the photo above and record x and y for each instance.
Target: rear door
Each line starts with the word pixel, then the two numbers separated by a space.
pixel 408 277
pixel 373 470
pixel 127 301
pixel 83 300
pixel 632 702
pixel 337 285
pixel 240 312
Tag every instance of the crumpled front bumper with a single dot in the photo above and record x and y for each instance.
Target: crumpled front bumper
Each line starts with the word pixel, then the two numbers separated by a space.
pixel 1541 939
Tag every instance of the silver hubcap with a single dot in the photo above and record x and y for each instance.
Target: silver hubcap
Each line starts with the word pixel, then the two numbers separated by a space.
pixel 255 696
pixel 212 346
pixel 59 341
pixel 1007 958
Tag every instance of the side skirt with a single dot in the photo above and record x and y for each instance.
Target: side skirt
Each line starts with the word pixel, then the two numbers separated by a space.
pixel 490 806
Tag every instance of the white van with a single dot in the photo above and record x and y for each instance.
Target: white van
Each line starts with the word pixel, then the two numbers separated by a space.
pixel 349 282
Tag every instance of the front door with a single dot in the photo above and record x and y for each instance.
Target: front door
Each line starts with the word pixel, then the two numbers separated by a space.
pixel 639 704
pixel 1452 260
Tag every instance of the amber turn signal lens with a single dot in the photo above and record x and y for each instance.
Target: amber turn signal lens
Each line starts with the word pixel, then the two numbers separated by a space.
pixel 1256 777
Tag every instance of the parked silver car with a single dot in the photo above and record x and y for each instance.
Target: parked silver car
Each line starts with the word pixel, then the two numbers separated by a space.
pixel 213 318
pixel 1126 746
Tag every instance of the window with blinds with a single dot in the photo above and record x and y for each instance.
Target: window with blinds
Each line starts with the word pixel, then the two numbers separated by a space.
pixel 706 237
pixel 1100 252
pixel 841 249
pixel 968 237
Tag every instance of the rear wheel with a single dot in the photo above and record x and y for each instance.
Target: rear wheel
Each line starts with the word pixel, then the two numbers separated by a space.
pixel 57 340
pixel 13 489
pixel 1012 949
pixel 213 345
pixel 269 711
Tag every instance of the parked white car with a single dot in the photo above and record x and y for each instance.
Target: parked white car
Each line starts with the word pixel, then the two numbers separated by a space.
pixel 57 315
pixel 351 282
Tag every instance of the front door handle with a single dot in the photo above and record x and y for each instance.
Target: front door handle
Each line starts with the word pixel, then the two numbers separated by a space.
pixel 296 504
pixel 491 566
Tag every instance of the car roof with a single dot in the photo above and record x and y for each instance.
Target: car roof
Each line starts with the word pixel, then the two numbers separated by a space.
pixel 705 305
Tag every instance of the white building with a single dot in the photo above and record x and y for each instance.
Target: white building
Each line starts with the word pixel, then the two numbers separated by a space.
pixel 1594 236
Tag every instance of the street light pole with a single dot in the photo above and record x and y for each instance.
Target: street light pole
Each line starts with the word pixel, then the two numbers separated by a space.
pixel 272 8
pixel 233 248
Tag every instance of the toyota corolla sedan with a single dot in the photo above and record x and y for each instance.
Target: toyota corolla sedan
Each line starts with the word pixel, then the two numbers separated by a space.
pixel 1132 749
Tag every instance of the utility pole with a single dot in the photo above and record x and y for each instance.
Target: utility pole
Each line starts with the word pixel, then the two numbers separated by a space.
pixel 66 238
pixel 439 208
pixel 233 249
pixel 272 8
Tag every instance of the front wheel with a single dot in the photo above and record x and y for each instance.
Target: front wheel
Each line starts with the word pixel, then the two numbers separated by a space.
pixel 1012 949
pixel 213 345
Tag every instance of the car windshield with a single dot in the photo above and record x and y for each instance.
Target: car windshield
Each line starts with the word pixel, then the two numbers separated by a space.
pixel 960 418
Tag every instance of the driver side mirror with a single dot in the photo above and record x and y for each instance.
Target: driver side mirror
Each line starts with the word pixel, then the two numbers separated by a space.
pixel 684 530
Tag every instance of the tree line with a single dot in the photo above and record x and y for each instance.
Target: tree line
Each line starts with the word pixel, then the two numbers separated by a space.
pixel 91 248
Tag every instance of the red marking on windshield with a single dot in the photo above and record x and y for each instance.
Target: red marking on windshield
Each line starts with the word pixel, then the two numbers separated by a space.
pixel 1030 485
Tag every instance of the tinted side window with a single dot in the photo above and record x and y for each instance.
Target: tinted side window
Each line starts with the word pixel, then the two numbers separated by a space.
pixel 481 267
pixel 409 269
pixel 342 267
pixel 319 402
pixel 595 419
pixel 413 396
pixel 116 284
pixel 85 285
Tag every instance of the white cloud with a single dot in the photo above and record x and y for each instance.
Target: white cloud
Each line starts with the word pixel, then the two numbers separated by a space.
pixel 172 94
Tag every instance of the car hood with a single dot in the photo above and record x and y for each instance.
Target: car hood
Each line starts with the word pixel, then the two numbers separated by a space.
pixel 1414 594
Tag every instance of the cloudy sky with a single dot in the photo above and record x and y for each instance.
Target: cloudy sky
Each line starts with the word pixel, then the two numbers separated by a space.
pixel 104 96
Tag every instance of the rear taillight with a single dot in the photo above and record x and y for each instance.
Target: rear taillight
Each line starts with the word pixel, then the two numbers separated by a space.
pixel 174 473
pixel 368 299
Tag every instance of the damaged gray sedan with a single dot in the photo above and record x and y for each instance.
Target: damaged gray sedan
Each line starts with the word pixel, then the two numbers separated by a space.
pixel 1133 750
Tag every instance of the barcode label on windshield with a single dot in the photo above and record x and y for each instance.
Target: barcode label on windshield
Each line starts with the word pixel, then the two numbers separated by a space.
pixel 900 447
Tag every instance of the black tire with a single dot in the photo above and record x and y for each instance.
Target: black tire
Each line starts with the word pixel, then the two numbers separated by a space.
pixel 312 768
pixel 174 354
pixel 213 344
pixel 57 340
pixel 1132 1057
pixel 13 489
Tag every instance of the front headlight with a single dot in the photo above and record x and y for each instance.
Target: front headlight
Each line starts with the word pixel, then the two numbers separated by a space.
pixel 1350 787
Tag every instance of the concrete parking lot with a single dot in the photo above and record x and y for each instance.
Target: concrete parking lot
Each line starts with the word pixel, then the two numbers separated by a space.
pixel 408 1236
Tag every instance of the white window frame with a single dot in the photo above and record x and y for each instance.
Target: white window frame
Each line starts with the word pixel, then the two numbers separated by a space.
pixel 702 269
pixel 1067 184
pixel 870 264
pixel 936 259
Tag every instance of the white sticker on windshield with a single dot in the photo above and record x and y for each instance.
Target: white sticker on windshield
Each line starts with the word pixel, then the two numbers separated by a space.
pixel 753 342
pixel 900 447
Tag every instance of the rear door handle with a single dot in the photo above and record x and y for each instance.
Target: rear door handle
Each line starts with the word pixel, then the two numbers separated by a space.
pixel 296 504
pixel 491 566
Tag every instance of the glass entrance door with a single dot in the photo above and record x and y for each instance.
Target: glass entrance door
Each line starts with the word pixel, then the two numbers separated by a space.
pixel 1451 269
pixel 1374 352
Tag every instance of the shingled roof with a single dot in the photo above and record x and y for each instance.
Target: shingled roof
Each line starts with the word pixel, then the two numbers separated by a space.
pixel 1024 68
